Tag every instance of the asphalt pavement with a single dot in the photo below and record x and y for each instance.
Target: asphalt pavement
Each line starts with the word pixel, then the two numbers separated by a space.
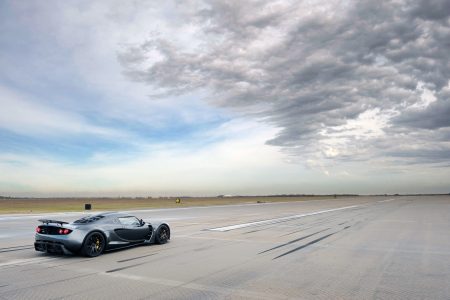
pixel 344 248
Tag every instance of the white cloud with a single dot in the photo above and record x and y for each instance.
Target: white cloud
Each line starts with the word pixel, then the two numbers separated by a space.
pixel 24 115
pixel 237 163
pixel 426 98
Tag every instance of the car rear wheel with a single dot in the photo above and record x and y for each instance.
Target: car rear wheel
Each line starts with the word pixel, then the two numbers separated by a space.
pixel 162 234
pixel 93 245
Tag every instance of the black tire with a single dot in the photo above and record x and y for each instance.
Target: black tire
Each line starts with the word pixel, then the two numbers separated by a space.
pixel 93 245
pixel 162 234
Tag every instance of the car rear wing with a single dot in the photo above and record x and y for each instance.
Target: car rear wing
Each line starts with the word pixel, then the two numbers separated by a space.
pixel 46 221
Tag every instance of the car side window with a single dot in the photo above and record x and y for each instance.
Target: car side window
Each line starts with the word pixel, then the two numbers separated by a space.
pixel 129 221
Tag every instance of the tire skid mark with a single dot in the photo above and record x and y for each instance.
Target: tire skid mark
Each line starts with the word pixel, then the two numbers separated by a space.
pixel 327 219
pixel 203 248
pixel 17 249
pixel 296 231
pixel 137 257
pixel 305 245
pixel 6 248
pixel 173 284
pixel 56 281
pixel 311 225
pixel 223 239
pixel 319 221
pixel 262 229
pixel 310 243
pixel 314 224
pixel 123 268
pixel 293 241
pixel 56 265
pixel 23 262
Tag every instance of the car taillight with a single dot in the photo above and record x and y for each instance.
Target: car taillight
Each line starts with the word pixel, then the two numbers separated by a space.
pixel 38 229
pixel 64 231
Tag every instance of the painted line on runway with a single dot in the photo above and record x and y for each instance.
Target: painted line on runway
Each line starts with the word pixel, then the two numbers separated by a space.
pixel 388 200
pixel 278 220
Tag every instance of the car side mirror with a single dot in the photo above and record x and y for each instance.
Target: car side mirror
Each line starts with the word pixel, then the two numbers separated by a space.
pixel 141 222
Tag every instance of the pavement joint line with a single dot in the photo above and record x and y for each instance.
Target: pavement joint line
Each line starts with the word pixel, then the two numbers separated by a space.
pixel 270 221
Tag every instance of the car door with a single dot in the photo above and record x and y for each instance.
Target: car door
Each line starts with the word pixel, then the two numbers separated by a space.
pixel 132 230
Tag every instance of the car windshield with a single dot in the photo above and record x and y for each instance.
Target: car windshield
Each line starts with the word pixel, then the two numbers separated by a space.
pixel 129 221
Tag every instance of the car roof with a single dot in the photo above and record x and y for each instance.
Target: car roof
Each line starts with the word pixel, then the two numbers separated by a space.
pixel 101 217
pixel 113 214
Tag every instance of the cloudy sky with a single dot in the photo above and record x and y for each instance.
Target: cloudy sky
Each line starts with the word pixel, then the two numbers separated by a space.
pixel 224 97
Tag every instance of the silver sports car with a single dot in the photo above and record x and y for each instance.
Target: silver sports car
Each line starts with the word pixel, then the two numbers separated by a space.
pixel 92 235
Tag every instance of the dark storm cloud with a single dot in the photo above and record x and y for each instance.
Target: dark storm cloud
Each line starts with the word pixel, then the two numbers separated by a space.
pixel 310 70
pixel 436 116
pixel 432 9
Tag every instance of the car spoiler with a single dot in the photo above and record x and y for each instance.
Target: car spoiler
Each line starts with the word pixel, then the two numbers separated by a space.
pixel 46 221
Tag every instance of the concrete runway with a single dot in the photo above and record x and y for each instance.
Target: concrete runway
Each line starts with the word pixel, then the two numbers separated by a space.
pixel 350 248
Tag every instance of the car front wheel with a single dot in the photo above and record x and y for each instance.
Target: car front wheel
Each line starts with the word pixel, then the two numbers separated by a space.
pixel 162 234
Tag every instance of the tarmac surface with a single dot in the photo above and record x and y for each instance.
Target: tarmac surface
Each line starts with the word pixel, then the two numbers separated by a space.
pixel 345 248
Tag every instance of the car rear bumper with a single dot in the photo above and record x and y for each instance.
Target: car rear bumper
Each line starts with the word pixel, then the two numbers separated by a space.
pixel 51 247
pixel 58 244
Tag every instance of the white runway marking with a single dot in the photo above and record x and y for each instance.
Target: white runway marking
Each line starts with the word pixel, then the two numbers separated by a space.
pixel 388 200
pixel 270 221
